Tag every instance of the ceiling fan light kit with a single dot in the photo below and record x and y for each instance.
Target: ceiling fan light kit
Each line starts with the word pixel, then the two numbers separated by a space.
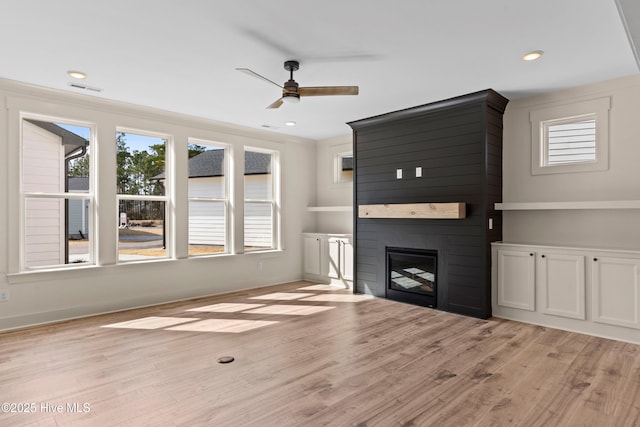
pixel 291 98
pixel 291 92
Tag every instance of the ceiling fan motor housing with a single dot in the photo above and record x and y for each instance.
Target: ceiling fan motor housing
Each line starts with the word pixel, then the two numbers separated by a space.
pixel 290 86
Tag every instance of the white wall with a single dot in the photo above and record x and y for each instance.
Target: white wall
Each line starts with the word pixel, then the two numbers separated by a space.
pixel 330 193
pixel 38 297
pixel 592 228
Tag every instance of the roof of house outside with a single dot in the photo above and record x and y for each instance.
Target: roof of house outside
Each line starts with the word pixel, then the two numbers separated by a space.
pixel 209 163
pixel 70 140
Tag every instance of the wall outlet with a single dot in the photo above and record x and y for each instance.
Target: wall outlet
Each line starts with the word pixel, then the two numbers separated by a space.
pixel 4 295
pixel 398 173
pixel 419 172
pixel 259 266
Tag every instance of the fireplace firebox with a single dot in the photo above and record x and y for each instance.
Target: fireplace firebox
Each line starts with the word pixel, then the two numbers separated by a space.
pixel 412 276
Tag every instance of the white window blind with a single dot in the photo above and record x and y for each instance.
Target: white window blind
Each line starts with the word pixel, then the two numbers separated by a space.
pixel 571 142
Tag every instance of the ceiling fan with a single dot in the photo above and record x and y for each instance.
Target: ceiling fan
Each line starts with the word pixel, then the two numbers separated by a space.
pixel 291 91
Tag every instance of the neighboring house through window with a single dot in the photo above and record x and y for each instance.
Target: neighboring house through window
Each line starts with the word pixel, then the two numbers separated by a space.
pixel 261 196
pixel 208 198
pixel 57 215
pixel 56 194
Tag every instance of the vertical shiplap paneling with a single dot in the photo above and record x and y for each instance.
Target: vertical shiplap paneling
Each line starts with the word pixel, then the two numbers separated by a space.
pixel 458 144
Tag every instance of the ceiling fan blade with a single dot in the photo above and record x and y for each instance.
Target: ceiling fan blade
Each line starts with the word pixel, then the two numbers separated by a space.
pixel 254 74
pixel 328 90
pixel 276 104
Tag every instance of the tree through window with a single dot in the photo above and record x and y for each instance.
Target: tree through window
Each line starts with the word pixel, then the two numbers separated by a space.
pixel 141 187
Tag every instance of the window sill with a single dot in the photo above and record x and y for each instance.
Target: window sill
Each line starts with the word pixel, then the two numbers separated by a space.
pixel 90 270
pixel 51 274
pixel 266 252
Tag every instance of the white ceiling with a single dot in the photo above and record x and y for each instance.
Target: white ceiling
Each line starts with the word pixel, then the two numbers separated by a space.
pixel 181 56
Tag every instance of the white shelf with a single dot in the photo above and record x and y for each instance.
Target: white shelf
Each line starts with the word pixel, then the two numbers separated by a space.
pixel 527 206
pixel 330 208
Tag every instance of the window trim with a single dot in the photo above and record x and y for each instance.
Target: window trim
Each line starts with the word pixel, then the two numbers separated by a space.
pixel 540 119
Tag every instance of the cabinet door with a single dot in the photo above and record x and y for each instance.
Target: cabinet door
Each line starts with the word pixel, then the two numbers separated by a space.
pixel 562 285
pixel 346 259
pixel 616 291
pixel 334 258
pixel 312 263
pixel 516 279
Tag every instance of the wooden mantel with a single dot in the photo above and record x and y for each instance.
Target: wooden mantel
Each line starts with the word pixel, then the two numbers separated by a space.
pixel 414 211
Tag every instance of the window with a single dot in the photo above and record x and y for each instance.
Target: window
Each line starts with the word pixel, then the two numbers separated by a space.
pixel 343 168
pixel 570 141
pixel 142 200
pixel 56 193
pixel 208 198
pixel 570 138
pixel 260 194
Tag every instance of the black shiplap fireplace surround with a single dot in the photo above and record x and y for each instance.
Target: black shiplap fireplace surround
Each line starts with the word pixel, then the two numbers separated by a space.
pixel 457 143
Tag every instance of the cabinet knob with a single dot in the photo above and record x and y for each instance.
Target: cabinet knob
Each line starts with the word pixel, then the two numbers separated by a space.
pixel 543 256
pixel 595 259
pixel 531 254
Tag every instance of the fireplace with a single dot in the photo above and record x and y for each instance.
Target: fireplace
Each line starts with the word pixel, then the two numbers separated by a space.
pixel 441 154
pixel 412 276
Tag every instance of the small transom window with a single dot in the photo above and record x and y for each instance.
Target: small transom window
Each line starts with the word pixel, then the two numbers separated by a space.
pixel 343 168
pixel 571 137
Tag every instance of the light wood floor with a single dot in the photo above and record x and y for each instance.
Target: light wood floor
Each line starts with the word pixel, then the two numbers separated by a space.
pixel 310 357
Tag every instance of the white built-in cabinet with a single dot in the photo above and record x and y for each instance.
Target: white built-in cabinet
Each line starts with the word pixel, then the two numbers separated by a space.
pixel 340 258
pixel 590 290
pixel 516 279
pixel 328 258
pixel 312 251
pixel 562 284
pixel 616 291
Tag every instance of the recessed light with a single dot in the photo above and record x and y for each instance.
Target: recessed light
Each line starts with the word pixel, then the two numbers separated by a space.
pixel 290 123
pixel 77 74
pixel 532 56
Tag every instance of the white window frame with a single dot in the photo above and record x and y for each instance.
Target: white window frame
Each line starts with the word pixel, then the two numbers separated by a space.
pixel 542 118
pixel 27 195
pixel 275 202
pixel 166 198
pixel 228 177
